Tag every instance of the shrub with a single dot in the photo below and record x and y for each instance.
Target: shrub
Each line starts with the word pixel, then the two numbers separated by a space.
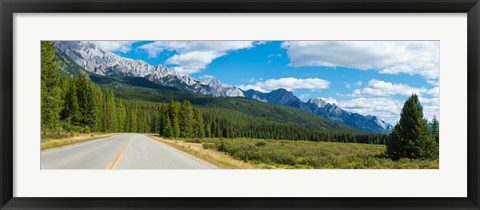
pixel 261 143
pixel 221 145
pixel 209 145
pixel 193 140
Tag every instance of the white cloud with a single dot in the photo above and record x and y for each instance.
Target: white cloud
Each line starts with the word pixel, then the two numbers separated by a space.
pixel 207 76
pixel 429 111
pixel 288 83
pixel 115 46
pixel 359 83
pixel 385 108
pixel 387 57
pixel 434 91
pixel 193 62
pixel 388 108
pixel 382 88
pixel 194 56
pixel 330 100
pixel 348 86
pixel 433 82
pixel 304 97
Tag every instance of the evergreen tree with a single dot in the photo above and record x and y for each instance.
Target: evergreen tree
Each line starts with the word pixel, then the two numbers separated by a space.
pixel 99 109
pixel 436 134
pixel 51 92
pixel 163 117
pixel 198 126
pixel 110 112
pixel 186 120
pixel 85 100
pixel 207 130
pixel 133 120
pixel 435 130
pixel 173 110
pixel 122 117
pixel 71 111
pixel 168 129
pixel 411 136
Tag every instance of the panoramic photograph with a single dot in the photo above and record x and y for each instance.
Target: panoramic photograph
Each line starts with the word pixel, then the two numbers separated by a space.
pixel 148 104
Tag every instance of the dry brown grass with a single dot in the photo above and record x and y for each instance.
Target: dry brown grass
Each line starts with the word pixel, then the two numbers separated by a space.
pixel 78 138
pixel 217 158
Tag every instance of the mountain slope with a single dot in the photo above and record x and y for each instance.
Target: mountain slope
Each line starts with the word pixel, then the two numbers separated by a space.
pixel 139 88
pixel 96 60
pixel 322 108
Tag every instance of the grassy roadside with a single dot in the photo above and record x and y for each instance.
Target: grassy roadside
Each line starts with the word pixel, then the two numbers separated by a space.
pixel 289 154
pixel 79 138
pixel 215 157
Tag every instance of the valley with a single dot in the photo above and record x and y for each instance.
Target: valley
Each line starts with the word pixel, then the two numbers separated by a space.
pixel 94 101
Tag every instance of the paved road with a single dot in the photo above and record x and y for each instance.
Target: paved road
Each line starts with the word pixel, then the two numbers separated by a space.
pixel 126 151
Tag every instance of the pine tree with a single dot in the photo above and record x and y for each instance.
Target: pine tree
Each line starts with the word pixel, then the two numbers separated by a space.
pixel 51 92
pixel 411 136
pixel 86 101
pixel 173 110
pixel 99 109
pixel 435 129
pixel 167 129
pixel 186 120
pixel 71 111
pixel 163 117
pixel 133 120
pixel 110 112
pixel 122 116
pixel 198 126
pixel 208 130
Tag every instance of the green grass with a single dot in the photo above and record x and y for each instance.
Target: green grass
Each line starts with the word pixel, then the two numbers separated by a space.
pixel 307 154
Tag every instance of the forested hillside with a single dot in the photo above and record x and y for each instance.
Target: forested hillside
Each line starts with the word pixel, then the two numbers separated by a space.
pixel 94 103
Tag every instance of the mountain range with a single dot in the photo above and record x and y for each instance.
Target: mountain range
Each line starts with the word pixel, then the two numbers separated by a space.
pixel 102 62
pixel 323 109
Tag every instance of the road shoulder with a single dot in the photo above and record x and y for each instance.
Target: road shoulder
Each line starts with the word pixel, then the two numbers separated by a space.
pixel 196 150
pixel 81 138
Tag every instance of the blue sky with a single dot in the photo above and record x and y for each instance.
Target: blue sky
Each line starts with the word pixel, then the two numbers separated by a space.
pixel 368 77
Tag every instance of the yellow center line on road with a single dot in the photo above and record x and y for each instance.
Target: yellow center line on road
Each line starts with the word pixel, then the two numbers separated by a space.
pixel 109 165
pixel 119 158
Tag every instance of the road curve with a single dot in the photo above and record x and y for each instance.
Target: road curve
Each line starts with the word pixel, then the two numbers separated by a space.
pixel 125 151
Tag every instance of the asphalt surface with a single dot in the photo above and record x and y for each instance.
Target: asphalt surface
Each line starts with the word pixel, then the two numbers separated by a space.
pixel 125 151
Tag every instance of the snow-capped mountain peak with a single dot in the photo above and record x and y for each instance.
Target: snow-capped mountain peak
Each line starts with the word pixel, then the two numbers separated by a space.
pixel 323 109
pixel 97 60
pixel 318 101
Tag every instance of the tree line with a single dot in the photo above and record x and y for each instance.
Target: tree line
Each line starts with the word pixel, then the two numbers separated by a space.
pixel 77 105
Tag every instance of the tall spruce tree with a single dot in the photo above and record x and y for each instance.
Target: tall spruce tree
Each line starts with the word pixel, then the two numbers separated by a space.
pixel 435 129
pixel 411 136
pixel 110 112
pixel 167 129
pixel 71 111
pixel 51 92
pixel 174 112
pixel 198 124
pixel 99 109
pixel 186 120
pixel 122 116
pixel 86 100
pixel 163 118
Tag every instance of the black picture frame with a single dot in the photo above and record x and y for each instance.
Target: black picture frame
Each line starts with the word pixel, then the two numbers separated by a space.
pixel 10 7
